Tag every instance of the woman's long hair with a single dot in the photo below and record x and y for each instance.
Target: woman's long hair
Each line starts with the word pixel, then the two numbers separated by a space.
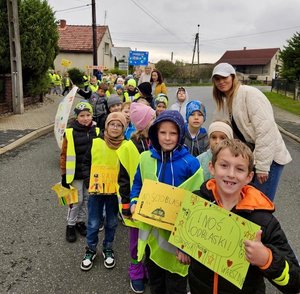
pixel 219 95
pixel 159 76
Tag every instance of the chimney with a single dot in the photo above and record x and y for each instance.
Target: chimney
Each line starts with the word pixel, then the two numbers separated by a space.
pixel 62 23
pixel 245 48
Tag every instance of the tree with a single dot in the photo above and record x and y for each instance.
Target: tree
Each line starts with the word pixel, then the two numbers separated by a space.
pixel 290 56
pixel 166 68
pixel 39 43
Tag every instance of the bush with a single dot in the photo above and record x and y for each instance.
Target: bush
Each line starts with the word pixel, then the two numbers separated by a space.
pixel 76 75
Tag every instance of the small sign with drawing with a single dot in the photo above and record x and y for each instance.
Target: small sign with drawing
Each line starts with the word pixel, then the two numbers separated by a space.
pixel 214 236
pixel 158 204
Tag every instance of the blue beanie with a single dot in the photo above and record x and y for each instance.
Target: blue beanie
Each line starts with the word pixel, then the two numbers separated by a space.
pixel 193 106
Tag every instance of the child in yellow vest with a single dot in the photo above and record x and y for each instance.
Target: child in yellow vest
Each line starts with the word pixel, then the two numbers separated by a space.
pixel 75 143
pixel 100 171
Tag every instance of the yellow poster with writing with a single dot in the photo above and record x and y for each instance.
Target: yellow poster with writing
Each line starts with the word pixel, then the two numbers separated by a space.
pixel 214 236
pixel 65 62
pixel 158 204
pixel 103 180
pixel 65 196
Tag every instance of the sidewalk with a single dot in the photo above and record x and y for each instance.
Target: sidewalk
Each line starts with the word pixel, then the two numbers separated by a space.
pixel 38 120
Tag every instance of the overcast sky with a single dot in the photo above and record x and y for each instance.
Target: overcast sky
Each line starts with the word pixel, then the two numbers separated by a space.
pixel 165 26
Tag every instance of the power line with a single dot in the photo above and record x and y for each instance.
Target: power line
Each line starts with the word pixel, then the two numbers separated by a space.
pixel 72 8
pixel 157 21
pixel 248 35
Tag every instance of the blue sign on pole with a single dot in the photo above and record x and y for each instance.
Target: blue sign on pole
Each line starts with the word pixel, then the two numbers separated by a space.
pixel 138 58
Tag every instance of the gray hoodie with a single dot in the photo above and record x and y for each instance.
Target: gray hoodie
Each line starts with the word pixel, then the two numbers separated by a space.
pixel 181 107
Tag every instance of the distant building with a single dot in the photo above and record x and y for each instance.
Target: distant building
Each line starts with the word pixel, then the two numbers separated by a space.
pixel 255 64
pixel 76 46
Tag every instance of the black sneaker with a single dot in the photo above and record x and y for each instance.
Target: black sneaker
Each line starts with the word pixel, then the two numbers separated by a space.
pixel 109 258
pixel 81 228
pixel 137 286
pixel 87 261
pixel 71 234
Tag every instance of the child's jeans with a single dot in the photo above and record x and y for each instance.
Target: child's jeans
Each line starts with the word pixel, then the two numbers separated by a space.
pixel 77 211
pixel 95 220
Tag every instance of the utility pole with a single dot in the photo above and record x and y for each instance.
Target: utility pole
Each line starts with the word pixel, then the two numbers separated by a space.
pixel 15 57
pixel 196 44
pixel 172 56
pixel 95 59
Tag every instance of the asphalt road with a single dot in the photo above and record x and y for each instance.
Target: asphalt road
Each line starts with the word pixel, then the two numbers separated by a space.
pixel 35 258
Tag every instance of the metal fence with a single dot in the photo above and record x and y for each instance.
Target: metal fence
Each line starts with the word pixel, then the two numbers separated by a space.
pixel 288 88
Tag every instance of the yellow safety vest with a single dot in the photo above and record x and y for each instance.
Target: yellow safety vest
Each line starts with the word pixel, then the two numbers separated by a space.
pixel 162 253
pixel 130 98
pixel 71 155
pixel 104 169
pixel 86 80
pixel 93 88
pixel 129 157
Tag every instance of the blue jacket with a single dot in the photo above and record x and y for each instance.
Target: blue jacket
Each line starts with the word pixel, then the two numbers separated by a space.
pixel 172 168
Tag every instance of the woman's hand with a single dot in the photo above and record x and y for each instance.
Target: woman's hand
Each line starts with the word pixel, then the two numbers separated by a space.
pixel 262 177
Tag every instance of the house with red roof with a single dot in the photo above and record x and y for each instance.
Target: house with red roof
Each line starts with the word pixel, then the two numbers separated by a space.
pixel 76 47
pixel 254 64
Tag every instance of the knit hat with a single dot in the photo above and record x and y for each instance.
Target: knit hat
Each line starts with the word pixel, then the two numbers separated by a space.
pixel 141 115
pixel 119 87
pixel 161 98
pixel 113 100
pixel 81 106
pixel 223 70
pixel 193 106
pixel 145 88
pixel 220 126
pixel 119 116
pixel 131 82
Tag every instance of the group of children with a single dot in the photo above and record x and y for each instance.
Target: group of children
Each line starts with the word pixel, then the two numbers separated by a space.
pixel 108 161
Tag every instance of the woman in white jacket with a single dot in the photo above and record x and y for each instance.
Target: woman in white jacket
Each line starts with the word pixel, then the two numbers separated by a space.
pixel 252 119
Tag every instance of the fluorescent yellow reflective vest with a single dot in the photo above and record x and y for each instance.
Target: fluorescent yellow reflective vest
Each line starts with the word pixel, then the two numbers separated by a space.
pixel 71 155
pixel 162 252
pixel 130 98
pixel 129 157
pixel 93 88
pixel 104 168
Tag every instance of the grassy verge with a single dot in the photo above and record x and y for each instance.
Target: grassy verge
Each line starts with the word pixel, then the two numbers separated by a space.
pixel 284 102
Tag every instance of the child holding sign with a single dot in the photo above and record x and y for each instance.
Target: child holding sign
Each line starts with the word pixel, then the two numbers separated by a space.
pixel 100 171
pixel 270 255
pixel 142 116
pixel 167 161
pixel 76 140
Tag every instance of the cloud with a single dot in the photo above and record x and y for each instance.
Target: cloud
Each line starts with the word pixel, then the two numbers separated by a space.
pixel 162 27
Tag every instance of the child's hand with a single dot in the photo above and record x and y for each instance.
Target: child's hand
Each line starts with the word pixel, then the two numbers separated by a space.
pixel 132 208
pixel 256 252
pixel 182 257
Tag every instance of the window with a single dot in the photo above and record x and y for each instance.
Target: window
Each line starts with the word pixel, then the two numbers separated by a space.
pixel 106 49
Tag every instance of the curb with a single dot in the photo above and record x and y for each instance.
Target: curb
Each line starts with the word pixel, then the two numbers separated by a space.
pixel 27 138
pixel 287 133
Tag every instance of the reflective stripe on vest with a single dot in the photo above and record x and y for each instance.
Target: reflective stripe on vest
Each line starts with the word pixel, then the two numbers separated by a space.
pixel 129 157
pixel 162 252
pixel 71 155
pixel 103 156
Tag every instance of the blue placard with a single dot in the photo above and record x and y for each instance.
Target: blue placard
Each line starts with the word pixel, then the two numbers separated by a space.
pixel 138 58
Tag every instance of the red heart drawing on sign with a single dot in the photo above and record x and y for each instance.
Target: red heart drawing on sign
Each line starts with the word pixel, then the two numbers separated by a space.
pixel 229 262
pixel 199 254
pixel 205 203
pixel 182 246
